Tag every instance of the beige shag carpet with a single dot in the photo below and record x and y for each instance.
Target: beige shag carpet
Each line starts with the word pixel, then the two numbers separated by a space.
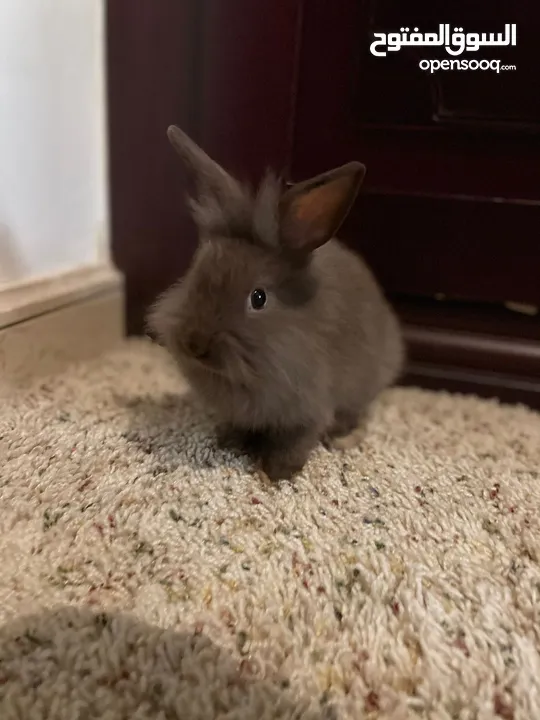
pixel 145 574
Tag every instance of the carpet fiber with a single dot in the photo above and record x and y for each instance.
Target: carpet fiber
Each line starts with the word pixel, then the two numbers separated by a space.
pixel 145 574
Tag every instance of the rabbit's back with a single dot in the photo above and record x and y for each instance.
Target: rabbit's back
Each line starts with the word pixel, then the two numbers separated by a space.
pixel 361 331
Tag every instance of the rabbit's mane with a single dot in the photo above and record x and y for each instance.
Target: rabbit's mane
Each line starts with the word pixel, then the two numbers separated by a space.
pixel 243 212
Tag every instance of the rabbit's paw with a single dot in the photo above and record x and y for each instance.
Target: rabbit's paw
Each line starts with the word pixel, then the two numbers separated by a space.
pixel 347 432
pixel 346 442
pixel 276 468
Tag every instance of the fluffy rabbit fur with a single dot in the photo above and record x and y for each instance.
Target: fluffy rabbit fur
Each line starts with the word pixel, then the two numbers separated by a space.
pixel 302 358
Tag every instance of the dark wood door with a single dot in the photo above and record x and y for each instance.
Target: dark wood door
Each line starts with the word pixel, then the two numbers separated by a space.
pixel 450 213
pixel 452 195
pixel 448 217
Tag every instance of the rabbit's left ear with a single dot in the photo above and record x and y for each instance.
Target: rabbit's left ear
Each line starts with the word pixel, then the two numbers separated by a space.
pixel 212 179
pixel 311 212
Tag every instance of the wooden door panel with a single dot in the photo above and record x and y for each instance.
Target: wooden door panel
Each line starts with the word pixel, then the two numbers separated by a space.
pixel 432 245
pixel 451 202
pixel 504 98
pixel 430 161
pixel 449 215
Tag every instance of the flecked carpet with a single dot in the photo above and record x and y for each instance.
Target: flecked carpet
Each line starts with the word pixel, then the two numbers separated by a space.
pixel 145 574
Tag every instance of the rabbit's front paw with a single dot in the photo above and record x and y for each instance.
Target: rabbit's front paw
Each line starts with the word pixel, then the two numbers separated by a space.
pixel 347 431
pixel 277 468
pixel 282 453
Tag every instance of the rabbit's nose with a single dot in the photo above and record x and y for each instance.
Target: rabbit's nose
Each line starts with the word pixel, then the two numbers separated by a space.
pixel 198 345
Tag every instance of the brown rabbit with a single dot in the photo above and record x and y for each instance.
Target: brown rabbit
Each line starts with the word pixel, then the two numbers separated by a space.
pixel 281 330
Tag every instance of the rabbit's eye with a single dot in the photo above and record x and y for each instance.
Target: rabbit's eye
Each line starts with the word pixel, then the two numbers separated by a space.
pixel 257 299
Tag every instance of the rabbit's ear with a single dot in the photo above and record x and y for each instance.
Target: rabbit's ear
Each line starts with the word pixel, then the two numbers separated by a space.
pixel 311 212
pixel 211 178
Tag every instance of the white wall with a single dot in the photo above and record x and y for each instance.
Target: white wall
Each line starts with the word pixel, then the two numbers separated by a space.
pixel 53 207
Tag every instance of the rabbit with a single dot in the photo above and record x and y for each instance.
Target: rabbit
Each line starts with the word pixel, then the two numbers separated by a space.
pixel 282 331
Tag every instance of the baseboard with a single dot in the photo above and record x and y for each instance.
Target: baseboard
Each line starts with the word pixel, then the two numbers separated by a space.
pixel 505 387
pixel 47 324
pixel 21 301
pixel 459 347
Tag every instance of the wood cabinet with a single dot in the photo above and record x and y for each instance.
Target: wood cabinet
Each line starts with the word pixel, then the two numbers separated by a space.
pixel 449 214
